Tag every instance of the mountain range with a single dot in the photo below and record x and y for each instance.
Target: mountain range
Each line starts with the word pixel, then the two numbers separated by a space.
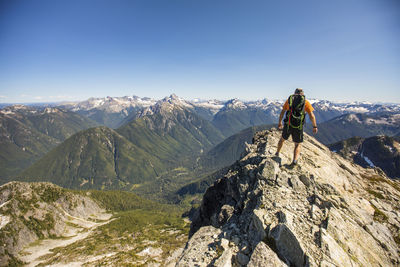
pixel 27 133
pixel 109 111
pixel 234 115
pixel 158 144
pixel 359 124
pixel 165 136
pixel 128 106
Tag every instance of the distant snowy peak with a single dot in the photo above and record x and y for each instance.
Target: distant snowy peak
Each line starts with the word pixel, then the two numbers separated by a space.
pixel 353 107
pixel 214 105
pixel 22 109
pixel 10 110
pixel 389 119
pixel 175 100
pixel 266 102
pixel 50 110
pixel 125 105
pixel 166 105
pixel 235 104
pixel 112 104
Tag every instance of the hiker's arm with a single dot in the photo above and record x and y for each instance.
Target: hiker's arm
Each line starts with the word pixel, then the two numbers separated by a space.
pixel 314 122
pixel 280 126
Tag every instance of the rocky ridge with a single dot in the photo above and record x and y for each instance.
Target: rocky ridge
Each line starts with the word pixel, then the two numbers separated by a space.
pixel 326 211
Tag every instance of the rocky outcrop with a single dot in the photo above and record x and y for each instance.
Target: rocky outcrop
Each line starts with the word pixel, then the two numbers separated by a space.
pixel 34 211
pixel 326 211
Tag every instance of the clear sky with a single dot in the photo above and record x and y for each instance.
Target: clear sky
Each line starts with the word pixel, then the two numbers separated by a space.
pixel 58 50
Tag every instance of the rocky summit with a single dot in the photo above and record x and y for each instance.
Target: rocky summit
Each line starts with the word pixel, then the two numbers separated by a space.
pixel 325 211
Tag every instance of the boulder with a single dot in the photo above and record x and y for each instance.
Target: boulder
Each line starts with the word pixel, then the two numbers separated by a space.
pixel 264 256
pixel 296 184
pixel 225 260
pixel 269 172
pixel 202 248
pixel 242 259
pixel 287 246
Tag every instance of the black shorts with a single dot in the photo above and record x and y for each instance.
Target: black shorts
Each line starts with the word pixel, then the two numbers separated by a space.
pixel 297 134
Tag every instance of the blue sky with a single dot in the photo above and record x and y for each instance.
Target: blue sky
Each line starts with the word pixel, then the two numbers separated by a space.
pixel 341 50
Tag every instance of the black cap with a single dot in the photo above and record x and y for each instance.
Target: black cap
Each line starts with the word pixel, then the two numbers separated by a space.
pixel 299 91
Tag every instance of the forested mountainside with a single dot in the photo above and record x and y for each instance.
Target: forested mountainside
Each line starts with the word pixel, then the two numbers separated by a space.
pixel 27 133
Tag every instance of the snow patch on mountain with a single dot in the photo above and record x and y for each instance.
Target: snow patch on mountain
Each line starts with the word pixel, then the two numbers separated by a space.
pixel 51 110
pixel 176 100
pixel 235 104
pixel 353 117
pixel 111 104
pixel 7 112
pixel 377 121
pixel 367 160
pixel 210 104
pixel 356 109
pixel 167 104
pixel 97 102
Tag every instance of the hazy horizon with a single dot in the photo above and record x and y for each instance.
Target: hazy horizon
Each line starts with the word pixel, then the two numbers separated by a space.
pixel 191 100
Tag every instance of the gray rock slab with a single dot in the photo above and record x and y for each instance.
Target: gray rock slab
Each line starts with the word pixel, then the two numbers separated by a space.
pixel 264 256
pixel 287 246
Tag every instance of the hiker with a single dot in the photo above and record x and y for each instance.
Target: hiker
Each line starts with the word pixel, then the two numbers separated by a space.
pixel 295 108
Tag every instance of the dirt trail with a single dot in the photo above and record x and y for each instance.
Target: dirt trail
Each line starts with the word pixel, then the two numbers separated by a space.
pixel 32 253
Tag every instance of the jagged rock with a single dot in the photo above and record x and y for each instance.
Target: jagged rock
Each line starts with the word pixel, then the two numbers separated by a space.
pixel 242 259
pixel 324 212
pixel 257 226
pixel 315 212
pixel 305 180
pixel 282 179
pixel 386 239
pixel 225 213
pixel 296 183
pixel 287 246
pixel 202 249
pixel 334 253
pixel 264 256
pixel 270 171
pixel 225 260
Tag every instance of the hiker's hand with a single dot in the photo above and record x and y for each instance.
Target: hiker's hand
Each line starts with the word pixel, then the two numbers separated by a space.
pixel 280 126
pixel 315 130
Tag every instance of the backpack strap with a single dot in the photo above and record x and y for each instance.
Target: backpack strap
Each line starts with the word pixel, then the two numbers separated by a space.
pixel 290 100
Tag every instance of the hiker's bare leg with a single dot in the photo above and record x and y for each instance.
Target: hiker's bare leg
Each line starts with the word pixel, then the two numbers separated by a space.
pixel 280 144
pixel 296 153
